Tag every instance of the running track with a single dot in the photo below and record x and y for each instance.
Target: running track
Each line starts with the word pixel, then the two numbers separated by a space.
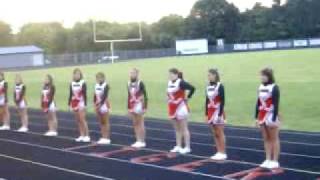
pixel 31 156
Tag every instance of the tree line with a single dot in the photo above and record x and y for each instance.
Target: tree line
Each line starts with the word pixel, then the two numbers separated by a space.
pixel 211 19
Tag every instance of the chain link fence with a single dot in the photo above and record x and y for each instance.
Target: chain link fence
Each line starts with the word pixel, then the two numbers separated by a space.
pixel 70 59
pixel 105 57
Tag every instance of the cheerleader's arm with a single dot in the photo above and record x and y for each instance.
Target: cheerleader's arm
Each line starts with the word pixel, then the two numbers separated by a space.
pixel 105 95
pixel 145 95
pixel 70 95
pixel 84 90
pixel 206 106
pixel 276 101
pixel 187 86
pixel 222 98
pixel 6 92
pixel 257 109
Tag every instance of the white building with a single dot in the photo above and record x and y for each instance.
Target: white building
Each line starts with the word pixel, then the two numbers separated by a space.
pixel 21 56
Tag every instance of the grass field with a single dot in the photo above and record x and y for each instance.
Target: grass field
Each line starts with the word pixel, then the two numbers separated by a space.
pixel 297 73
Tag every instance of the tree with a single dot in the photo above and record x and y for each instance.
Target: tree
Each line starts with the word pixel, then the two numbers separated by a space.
pixel 303 17
pixel 167 30
pixel 6 37
pixel 50 36
pixel 213 19
pixel 80 38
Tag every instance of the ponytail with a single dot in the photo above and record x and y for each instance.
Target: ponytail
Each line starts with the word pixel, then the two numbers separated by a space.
pixel 180 75
pixel 177 72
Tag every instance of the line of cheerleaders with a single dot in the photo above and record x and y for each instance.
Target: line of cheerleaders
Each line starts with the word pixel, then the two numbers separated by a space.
pixel 179 92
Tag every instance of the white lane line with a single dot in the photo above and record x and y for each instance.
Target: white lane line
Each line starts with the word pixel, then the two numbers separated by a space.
pixel 283 132
pixel 188 155
pixel 195 124
pixel 108 158
pixel 195 143
pixel 193 133
pixel 55 167
pixel 80 147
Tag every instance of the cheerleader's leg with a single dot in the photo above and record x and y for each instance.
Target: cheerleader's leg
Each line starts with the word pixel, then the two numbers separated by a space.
pixel 178 131
pixel 182 116
pixel 186 133
pixel 83 122
pixel 78 121
pixel 52 118
pixel 24 114
pixel 275 142
pixel 103 117
pixel 2 114
pixel 141 128
pixel 219 137
pixel 266 140
pixel 7 116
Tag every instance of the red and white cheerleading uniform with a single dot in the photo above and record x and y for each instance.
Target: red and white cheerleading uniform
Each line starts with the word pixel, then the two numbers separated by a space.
pixel 19 94
pixel 266 109
pixel 3 95
pixel 78 95
pixel 136 98
pixel 177 106
pixel 214 104
pixel 47 99
pixel 101 99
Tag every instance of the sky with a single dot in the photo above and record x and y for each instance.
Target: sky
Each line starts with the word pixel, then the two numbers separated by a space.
pixel 19 12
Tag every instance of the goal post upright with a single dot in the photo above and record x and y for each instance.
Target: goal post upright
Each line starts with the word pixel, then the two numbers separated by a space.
pixel 112 42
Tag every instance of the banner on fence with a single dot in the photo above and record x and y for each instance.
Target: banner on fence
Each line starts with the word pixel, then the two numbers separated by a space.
pixel 314 42
pixel 284 44
pixel 270 45
pixel 240 47
pixel 195 46
pixel 255 46
pixel 300 43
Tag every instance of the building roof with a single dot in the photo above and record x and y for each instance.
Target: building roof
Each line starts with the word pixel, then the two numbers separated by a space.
pixel 20 50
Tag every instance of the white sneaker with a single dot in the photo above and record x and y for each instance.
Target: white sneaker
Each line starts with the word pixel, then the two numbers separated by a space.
pixel 176 149
pixel 265 164
pixel 273 165
pixel 219 156
pixel 139 144
pixel 134 144
pixel 104 141
pixel 79 139
pixel 185 150
pixel 4 128
pixel 51 133
pixel 23 129
pixel 86 139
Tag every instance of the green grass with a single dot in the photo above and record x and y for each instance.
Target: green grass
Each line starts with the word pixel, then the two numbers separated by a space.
pixel 297 73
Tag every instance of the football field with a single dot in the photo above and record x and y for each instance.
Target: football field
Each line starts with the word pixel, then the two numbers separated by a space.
pixel 297 73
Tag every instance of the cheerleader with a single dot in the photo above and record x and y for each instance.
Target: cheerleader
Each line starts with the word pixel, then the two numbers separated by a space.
pixel 178 109
pixel 267 117
pixel 214 106
pixel 48 105
pixel 21 103
pixel 137 105
pixel 102 107
pixel 77 103
pixel 4 108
